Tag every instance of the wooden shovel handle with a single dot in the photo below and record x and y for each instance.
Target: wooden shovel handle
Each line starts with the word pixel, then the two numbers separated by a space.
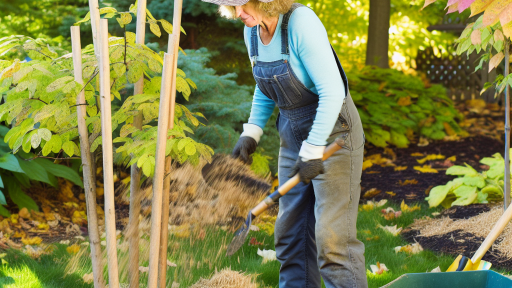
pixel 281 191
pixel 493 235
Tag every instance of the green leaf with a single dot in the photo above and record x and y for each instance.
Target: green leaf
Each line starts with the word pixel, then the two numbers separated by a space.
pixel 154 28
pixel 461 170
pixel 95 144
pixel 61 171
pixel 2 199
pixel 476 181
pixel 4 212
pixel 59 83
pixel 11 163
pixel 19 198
pixel 86 18
pixel 69 148
pixel 466 195
pixel 44 134
pixel 190 149
pixel 437 195
pixel 34 171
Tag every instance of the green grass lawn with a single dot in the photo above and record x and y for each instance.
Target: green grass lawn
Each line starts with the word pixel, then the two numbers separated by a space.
pixel 197 258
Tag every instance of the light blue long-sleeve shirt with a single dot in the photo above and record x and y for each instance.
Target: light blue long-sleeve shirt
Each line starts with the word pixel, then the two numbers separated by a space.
pixel 313 62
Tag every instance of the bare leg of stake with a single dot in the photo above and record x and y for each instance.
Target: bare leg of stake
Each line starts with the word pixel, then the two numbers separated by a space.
pixel 89 180
pixel 108 165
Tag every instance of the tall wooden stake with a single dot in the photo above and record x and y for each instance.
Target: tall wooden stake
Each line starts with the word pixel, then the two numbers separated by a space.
pixel 158 179
pixel 174 41
pixel 135 197
pixel 94 9
pixel 506 198
pixel 89 184
pixel 108 165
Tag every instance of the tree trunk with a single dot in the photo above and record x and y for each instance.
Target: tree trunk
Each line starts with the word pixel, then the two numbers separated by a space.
pixel 378 34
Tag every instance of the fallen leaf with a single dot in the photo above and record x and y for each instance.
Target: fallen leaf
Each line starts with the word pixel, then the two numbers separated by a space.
pixel 400 168
pixel 367 164
pixel 391 193
pixel 391 229
pixel 425 169
pixel 24 213
pixel 73 249
pixel 15 218
pixel 431 157
pixel 423 142
pixel 371 193
pixel 88 278
pixel 268 255
pixel 170 264
pixel 378 269
pixel 408 182
pixel 405 208
pixel 417 154
pixel 414 248
pixel 32 241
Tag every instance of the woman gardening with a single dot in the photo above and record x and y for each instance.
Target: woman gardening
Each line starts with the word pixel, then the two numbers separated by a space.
pixel 296 69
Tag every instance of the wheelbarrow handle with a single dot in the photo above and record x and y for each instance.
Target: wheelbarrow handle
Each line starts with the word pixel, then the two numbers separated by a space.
pixel 292 182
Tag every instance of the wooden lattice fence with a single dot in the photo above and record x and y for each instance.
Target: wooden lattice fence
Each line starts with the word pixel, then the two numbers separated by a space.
pixel 456 73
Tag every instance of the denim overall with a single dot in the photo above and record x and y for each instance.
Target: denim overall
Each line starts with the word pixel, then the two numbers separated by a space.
pixel 315 233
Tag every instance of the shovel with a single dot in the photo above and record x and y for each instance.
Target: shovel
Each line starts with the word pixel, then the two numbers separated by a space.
pixel 463 263
pixel 243 231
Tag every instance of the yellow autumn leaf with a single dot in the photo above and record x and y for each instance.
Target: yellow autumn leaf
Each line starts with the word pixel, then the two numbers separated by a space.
pixel 73 249
pixel 391 193
pixel 14 218
pixel 493 11
pixel 431 157
pixel 496 59
pixel 367 164
pixel 405 208
pixel 507 29
pixel 31 241
pixel 417 154
pixel 425 169
pixel 400 168
pixel 404 101
pixel 449 130
pixel 453 158
pixel 43 226
pixel 479 6
pixel 24 213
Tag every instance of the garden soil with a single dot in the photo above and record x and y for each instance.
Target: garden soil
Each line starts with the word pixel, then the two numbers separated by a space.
pixel 462 235
pixel 383 182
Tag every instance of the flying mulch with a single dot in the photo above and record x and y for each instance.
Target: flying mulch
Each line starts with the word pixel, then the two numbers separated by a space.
pixel 472 230
pixel 227 279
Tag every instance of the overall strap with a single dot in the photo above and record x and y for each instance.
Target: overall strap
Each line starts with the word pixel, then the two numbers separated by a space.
pixel 284 29
pixel 254 44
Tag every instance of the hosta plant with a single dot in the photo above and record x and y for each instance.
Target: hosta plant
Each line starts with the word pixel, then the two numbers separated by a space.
pixel 471 186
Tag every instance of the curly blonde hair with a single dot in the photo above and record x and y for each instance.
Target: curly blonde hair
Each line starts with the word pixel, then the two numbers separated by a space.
pixel 270 9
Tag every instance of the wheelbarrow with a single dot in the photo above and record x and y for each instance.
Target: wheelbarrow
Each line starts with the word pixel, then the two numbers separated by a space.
pixel 473 279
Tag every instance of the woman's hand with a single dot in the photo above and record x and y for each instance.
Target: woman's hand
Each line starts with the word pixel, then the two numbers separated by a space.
pixel 307 170
pixel 244 148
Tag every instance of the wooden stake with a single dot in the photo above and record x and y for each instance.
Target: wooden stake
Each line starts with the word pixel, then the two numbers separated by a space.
pixel 506 197
pixel 94 9
pixel 135 197
pixel 174 41
pixel 158 178
pixel 108 165
pixel 89 184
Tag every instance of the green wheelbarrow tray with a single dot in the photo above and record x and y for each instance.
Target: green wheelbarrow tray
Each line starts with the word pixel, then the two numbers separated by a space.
pixel 473 279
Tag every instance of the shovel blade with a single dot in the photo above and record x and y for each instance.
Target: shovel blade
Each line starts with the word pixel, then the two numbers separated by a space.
pixel 463 263
pixel 240 236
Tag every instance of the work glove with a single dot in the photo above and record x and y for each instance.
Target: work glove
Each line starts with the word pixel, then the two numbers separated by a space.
pixel 307 170
pixel 309 163
pixel 247 143
pixel 244 148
